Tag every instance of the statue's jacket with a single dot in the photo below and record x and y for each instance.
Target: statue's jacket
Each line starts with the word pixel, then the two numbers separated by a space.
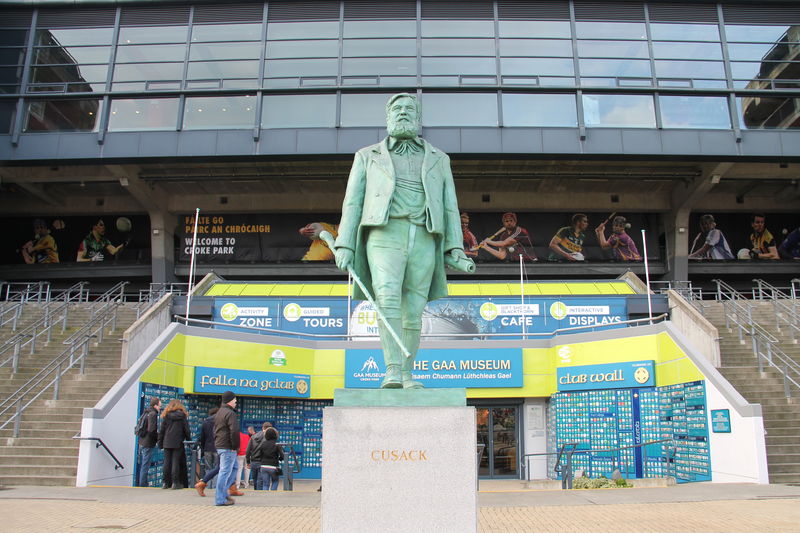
pixel 370 189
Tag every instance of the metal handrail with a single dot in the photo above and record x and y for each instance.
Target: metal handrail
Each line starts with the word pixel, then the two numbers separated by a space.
pixel 99 442
pixel 785 364
pixel 566 471
pixel 684 288
pixel 795 291
pixel 31 291
pixel 784 306
pixel 333 336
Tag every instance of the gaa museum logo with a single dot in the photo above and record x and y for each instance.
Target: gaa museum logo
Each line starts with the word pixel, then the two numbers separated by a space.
pixel 229 312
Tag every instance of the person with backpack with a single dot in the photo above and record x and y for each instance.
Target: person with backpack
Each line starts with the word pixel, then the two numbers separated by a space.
pixel 253 458
pixel 174 430
pixel 271 454
pixel 147 431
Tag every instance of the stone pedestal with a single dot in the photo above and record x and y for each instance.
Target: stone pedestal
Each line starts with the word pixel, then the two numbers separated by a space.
pixel 399 469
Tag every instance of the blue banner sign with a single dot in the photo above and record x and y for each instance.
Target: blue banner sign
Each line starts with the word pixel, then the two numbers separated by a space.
pixel 609 376
pixel 721 420
pixel 448 368
pixel 251 383
pixel 297 315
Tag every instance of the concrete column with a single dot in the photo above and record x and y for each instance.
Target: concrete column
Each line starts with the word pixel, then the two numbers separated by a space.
pixel 162 246
pixel 676 226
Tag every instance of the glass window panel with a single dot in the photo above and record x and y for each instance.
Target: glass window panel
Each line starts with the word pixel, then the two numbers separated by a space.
pixel 708 112
pixel 755 34
pixel 12 56
pixel 393 66
pixel 288 49
pixel 13 37
pixel 364 110
pixel 380 28
pixel 226 32
pixel 222 69
pixel 441 81
pixel 10 75
pixel 240 84
pixel 626 49
pixel 539 110
pixel 536 67
pixel 293 111
pixel 62 115
pixel 148 71
pixel 459 109
pixel 433 66
pixel 619 111
pixel 684 32
pixel 151 52
pixel 752 52
pixel 689 69
pixel 303 30
pixel 610 30
pixel 687 50
pixel 69 73
pixel 379 47
pixel 535 48
pixel 74 36
pixel 219 112
pixel 278 68
pixel 142 114
pixel 757 113
pixel 225 51
pixel 8 110
pixel 534 28
pixel 709 84
pixel 766 70
pixel 458 47
pixel 457 28
pixel 74 54
pixel 152 34
pixel 631 68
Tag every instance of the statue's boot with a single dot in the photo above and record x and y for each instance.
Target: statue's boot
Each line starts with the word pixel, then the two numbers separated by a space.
pixel 392 356
pixel 411 341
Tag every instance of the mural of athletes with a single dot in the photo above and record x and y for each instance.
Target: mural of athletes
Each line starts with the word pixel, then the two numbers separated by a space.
pixel 68 239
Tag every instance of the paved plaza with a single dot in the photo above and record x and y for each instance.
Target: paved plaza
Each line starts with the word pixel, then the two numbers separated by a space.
pixel 504 506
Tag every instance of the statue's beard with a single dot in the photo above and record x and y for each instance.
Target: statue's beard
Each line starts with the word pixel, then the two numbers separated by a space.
pixel 402 129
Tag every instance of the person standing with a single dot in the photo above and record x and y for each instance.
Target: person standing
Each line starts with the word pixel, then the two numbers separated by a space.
pixel 271 455
pixel 242 471
pixel 790 247
pixel 400 223
pixel 511 242
pixel 93 246
pixel 226 440
pixel 567 243
pixel 762 241
pixel 147 443
pixel 209 451
pixel 253 455
pixel 714 244
pixel 43 248
pixel 174 430
pixel 470 242
pixel 621 244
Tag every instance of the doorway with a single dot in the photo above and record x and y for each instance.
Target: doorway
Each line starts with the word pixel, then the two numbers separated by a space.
pixel 497 431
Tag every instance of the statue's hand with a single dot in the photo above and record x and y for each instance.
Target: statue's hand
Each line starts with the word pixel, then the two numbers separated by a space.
pixel 344 258
pixel 457 254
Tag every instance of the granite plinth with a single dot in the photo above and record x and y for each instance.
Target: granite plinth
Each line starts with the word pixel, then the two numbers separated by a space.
pixel 400 397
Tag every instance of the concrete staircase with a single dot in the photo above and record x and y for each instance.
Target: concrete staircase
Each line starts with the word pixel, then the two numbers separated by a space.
pixel 45 452
pixel 781 415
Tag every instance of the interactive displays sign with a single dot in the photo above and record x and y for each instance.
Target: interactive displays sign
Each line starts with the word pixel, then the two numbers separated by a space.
pixel 609 376
pixel 461 318
pixel 476 368
pixel 250 382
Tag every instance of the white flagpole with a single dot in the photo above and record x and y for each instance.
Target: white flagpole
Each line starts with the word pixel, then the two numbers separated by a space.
pixel 191 264
pixel 522 293
pixel 647 277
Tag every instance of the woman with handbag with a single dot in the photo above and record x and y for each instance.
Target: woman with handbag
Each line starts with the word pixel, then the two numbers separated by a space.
pixel 173 431
pixel 271 455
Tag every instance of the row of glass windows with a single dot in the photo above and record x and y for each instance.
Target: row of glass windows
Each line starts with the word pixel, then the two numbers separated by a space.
pixel 439 109
pixel 391 53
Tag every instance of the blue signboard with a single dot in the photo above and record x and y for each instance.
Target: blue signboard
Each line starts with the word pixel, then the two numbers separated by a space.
pixel 251 382
pixel 721 420
pixel 292 315
pixel 449 368
pixel 608 376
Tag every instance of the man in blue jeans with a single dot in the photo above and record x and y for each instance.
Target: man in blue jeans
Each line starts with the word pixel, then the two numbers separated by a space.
pixel 147 443
pixel 226 439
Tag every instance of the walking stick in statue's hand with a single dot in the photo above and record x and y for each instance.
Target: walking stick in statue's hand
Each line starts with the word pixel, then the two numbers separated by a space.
pixel 327 238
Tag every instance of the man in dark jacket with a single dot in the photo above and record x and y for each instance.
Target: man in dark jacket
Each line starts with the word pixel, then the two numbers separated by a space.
pixel 148 443
pixel 207 436
pixel 252 456
pixel 226 439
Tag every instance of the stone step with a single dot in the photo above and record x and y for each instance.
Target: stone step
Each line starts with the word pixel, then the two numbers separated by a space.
pixel 21 480
pixel 12 470
pixel 783 431
pixel 7 460
pixel 788 440
pixel 38 451
pixel 784 478
pixel 784 451
pixel 783 468
pixel 32 442
pixel 59 434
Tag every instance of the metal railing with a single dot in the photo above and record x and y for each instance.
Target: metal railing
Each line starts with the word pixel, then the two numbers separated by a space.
pixel 12 408
pixel 451 336
pixel 38 291
pixel 684 288
pixel 100 444
pixel 567 450
pixel 785 308
pixel 794 288
pixel 158 290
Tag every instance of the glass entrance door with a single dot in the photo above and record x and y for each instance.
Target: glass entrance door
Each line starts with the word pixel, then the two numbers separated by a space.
pixel 497 431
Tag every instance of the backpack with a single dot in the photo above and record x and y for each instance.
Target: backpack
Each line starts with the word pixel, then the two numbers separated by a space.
pixel 141 426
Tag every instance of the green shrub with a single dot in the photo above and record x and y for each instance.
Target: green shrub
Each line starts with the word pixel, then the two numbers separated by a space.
pixel 601 482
